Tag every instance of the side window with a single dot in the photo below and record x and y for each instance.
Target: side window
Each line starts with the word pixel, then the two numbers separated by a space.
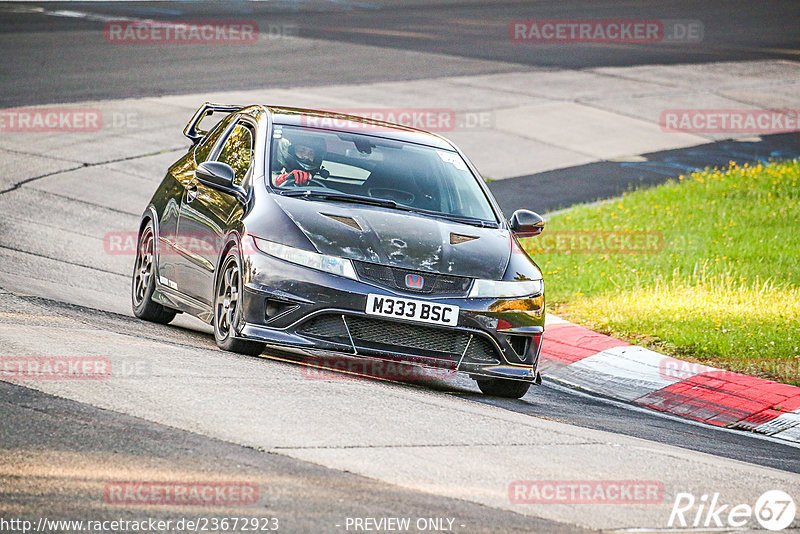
pixel 205 147
pixel 238 152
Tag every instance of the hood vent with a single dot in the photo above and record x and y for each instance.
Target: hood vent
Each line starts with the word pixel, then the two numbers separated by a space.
pixel 456 239
pixel 349 221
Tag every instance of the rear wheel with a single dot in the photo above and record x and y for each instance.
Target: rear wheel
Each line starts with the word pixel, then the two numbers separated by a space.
pixel 499 387
pixel 228 308
pixel 143 282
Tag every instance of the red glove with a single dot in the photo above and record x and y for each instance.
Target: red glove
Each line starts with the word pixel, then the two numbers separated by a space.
pixel 300 177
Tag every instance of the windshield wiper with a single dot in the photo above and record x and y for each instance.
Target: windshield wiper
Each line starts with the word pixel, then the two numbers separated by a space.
pixel 472 221
pixel 356 199
pixel 386 203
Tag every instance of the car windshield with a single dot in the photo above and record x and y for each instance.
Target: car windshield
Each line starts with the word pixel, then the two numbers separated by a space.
pixel 411 176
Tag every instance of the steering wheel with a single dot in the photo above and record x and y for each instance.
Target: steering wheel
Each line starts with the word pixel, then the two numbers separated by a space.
pixel 313 181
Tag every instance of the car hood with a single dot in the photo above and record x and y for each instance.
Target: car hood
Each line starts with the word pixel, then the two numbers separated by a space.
pixel 400 239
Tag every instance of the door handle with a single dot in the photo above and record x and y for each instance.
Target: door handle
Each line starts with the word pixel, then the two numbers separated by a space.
pixel 191 193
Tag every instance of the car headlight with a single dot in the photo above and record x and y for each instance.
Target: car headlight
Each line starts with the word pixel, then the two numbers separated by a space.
pixel 503 289
pixel 321 262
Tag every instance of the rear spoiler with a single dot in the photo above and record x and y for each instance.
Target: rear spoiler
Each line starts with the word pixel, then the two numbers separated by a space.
pixel 205 110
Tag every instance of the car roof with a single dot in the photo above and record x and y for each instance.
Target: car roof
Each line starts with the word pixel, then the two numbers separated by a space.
pixel 343 122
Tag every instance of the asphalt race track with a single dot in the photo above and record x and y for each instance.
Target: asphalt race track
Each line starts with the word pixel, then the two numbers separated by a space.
pixel 322 450
pixel 457 37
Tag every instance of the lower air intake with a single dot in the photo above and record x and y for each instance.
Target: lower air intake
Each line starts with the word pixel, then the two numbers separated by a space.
pixel 401 338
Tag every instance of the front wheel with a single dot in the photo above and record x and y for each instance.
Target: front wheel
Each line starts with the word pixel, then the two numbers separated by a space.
pixel 228 308
pixel 500 387
pixel 143 282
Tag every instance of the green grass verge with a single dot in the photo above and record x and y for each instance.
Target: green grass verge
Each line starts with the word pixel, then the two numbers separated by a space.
pixel 705 268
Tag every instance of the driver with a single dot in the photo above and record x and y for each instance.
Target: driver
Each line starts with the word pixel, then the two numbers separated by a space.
pixel 300 158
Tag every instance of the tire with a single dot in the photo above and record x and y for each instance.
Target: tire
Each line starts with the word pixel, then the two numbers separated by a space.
pixel 499 387
pixel 143 281
pixel 227 307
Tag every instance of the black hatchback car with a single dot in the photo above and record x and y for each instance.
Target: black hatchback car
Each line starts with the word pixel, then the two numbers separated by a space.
pixel 337 234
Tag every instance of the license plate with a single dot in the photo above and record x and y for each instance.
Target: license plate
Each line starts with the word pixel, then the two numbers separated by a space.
pixel 412 310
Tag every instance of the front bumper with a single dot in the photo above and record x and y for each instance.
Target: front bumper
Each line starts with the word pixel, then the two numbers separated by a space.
pixel 293 306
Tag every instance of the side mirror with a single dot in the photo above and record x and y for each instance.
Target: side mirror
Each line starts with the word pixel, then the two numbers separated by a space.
pixel 216 174
pixel 526 223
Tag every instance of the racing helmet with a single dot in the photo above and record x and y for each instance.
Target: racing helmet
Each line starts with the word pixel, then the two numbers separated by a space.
pixel 301 152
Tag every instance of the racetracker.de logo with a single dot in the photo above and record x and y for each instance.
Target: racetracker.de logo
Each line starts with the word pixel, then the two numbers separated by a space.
pixel 586 492
pixel 568 31
pixel 344 368
pixel 50 120
pixel 206 244
pixel 182 493
pixel 429 119
pixel 55 367
pixel 672 369
pixel 181 32
pixel 729 120
pixel 590 242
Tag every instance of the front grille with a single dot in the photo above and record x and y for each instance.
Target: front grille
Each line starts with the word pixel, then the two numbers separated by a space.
pixel 407 335
pixel 395 278
pixel 403 338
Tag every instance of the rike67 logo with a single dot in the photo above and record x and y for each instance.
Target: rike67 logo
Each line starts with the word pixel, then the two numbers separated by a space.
pixel 774 510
